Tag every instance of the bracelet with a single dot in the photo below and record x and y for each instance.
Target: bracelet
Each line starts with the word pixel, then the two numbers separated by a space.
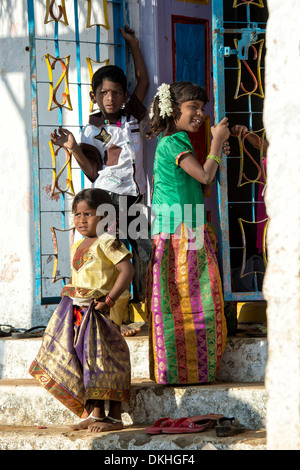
pixel 109 302
pixel 215 158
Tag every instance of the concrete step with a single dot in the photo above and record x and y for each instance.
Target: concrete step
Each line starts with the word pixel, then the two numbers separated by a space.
pixel 128 440
pixel 26 403
pixel 244 359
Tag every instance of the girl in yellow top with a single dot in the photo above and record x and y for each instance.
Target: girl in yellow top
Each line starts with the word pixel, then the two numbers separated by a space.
pixel 84 360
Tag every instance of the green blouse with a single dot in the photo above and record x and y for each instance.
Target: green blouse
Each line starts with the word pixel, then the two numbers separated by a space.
pixel 177 196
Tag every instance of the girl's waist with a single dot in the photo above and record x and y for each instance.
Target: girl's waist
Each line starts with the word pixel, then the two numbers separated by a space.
pixel 82 293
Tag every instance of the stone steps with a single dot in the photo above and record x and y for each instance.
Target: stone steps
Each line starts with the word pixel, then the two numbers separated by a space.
pixel 129 441
pixel 244 359
pixel 32 418
pixel 24 402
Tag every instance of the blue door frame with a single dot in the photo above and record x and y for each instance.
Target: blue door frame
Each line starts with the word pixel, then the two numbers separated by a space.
pixel 234 31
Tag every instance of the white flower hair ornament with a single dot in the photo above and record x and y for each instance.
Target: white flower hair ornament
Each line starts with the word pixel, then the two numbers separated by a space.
pixel 164 102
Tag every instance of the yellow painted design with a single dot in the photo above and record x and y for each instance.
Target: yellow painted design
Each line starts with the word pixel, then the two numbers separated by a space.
pixel 257 3
pixel 56 176
pixel 257 83
pixel 66 102
pixel 50 16
pixel 243 179
pixel 241 224
pixel 91 73
pixel 100 10
pixel 55 245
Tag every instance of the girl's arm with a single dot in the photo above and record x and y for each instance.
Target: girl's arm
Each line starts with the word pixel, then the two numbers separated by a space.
pixel 206 173
pixel 64 138
pixel 126 273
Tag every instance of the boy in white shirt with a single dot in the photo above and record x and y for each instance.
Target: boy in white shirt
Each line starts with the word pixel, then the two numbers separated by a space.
pixel 110 152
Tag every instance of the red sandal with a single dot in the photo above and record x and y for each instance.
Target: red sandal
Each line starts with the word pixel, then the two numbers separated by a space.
pixel 158 426
pixel 192 424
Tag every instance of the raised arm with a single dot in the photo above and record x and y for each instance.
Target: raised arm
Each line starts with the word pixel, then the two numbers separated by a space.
pixel 141 74
pixel 206 173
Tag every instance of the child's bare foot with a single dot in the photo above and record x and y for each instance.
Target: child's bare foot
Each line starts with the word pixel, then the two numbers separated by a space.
pixel 86 423
pixel 127 330
pixel 106 425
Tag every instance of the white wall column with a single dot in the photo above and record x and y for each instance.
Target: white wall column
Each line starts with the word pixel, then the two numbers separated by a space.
pixel 282 281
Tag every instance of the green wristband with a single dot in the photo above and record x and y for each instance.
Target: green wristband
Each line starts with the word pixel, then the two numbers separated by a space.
pixel 214 157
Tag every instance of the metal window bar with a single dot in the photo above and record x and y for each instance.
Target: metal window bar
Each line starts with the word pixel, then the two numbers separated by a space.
pixel 246 30
pixel 119 54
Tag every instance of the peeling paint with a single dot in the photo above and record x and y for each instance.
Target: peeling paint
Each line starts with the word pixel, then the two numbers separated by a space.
pixel 27 202
pixel 47 190
pixel 9 269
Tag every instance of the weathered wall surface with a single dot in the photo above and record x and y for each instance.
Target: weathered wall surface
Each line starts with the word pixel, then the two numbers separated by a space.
pixel 282 282
pixel 17 243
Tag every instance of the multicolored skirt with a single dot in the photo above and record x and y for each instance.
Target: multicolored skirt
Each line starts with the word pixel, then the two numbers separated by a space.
pixel 187 327
pixel 83 358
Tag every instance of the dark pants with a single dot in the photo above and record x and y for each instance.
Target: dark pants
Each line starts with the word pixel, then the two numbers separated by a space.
pixel 141 245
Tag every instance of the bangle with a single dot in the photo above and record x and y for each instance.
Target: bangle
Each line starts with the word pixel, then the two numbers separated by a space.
pixel 215 158
pixel 109 301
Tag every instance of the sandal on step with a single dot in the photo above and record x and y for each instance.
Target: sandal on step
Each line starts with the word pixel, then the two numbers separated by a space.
pixel 8 330
pixel 228 427
pixel 192 424
pixel 158 426
pixel 35 332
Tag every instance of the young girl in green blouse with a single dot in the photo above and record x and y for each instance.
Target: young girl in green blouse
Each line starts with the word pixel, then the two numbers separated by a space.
pixel 187 328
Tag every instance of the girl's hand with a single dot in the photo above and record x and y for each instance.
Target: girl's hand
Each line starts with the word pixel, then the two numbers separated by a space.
pixel 221 131
pixel 63 138
pixel 101 306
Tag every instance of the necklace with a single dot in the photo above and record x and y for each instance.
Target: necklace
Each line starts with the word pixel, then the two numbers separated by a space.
pixel 118 123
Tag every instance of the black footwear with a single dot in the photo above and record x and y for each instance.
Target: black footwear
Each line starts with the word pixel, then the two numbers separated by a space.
pixel 228 427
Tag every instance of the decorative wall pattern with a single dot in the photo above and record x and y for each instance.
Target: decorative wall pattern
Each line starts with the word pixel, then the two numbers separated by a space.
pixel 239 50
pixel 69 40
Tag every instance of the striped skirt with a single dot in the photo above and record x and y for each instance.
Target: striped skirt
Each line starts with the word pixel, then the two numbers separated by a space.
pixel 185 309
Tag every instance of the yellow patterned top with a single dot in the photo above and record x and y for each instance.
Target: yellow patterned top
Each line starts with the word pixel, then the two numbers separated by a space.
pixel 94 273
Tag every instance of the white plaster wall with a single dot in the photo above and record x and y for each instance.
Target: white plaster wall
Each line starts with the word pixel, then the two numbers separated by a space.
pixel 282 281
pixel 16 237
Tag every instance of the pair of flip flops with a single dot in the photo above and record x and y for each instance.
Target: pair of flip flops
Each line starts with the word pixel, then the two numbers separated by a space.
pixel 191 424
pixel 224 426
pixel 8 330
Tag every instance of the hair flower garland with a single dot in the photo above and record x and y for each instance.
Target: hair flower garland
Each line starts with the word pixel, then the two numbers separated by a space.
pixel 164 102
